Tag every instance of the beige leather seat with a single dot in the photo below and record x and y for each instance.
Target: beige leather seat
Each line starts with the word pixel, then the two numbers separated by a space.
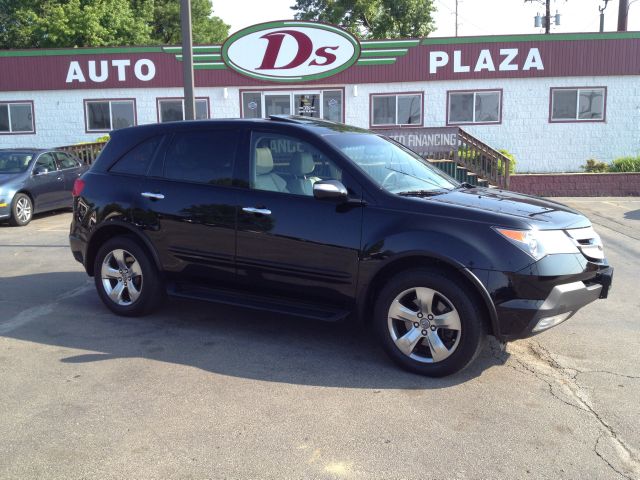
pixel 301 182
pixel 265 178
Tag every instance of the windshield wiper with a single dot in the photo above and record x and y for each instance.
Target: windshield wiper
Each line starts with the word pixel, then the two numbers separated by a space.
pixel 422 193
pixel 465 185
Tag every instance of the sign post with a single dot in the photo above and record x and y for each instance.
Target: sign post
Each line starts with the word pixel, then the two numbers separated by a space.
pixel 187 60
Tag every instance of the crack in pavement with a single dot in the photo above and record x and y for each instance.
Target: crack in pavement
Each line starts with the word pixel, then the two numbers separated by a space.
pixel 529 357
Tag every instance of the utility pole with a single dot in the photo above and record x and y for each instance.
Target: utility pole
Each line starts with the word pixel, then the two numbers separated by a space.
pixel 187 60
pixel 623 10
pixel 602 9
pixel 547 23
pixel 456 18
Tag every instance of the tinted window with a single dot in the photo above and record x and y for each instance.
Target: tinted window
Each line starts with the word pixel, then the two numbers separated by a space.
pixel 65 161
pixel 136 162
pixel 205 156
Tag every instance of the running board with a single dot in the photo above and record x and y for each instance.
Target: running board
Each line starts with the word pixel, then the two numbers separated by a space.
pixel 258 302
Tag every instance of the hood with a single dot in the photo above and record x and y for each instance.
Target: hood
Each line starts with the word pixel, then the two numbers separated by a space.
pixel 10 179
pixel 538 212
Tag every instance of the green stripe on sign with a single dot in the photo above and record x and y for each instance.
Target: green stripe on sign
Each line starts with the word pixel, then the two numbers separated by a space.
pixel 532 38
pixel 203 58
pixel 384 53
pixel 200 49
pixel 77 51
pixel 376 61
pixel 378 44
pixel 209 66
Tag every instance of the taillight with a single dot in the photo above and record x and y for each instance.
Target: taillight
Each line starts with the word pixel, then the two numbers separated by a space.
pixel 78 186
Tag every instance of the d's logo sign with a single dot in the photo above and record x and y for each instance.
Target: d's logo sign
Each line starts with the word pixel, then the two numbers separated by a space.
pixel 290 51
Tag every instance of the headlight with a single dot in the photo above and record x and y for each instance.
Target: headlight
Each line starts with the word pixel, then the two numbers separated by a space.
pixel 539 243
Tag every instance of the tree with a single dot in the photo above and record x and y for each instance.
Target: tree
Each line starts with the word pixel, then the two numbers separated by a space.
pixel 97 23
pixel 372 18
pixel 206 27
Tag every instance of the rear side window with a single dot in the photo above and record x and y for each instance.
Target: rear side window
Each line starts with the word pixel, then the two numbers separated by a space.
pixel 205 156
pixel 65 161
pixel 137 161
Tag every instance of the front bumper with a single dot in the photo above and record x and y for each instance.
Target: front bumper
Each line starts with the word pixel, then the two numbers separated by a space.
pixel 519 318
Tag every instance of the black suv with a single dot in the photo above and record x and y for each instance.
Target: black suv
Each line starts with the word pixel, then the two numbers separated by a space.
pixel 321 220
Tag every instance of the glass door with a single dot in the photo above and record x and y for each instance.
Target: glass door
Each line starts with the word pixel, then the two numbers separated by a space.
pixel 307 105
pixel 277 104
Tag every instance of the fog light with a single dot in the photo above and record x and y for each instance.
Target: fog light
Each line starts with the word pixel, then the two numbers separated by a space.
pixel 548 322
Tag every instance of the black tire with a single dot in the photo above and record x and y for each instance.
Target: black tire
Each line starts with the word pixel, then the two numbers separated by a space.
pixel 149 284
pixel 20 204
pixel 470 337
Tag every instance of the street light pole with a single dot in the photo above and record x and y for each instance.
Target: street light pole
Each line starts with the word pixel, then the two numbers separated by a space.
pixel 187 60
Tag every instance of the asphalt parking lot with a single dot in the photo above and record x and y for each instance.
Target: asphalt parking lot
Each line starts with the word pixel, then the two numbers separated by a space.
pixel 203 391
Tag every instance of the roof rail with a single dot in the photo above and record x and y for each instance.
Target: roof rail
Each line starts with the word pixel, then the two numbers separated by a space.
pixel 291 118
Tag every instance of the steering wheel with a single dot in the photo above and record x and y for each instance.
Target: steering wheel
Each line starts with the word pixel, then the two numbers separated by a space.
pixel 390 179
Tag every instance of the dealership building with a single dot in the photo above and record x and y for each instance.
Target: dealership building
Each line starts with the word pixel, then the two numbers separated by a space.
pixel 553 101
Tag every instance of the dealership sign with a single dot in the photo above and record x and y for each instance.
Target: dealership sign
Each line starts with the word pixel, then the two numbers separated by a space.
pixel 290 51
pixel 425 141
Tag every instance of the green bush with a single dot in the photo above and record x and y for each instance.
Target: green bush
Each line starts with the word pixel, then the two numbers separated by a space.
pixel 625 164
pixel 594 166
pixel 512 161
pixel 102 139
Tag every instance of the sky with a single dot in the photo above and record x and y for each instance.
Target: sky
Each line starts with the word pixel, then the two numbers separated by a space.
pixel 475 17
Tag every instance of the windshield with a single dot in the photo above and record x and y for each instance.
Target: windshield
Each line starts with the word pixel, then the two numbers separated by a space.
pixel 391 165
pixel 14 162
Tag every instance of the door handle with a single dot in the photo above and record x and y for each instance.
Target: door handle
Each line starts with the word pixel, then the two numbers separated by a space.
pixel 262 211
pixel 153 196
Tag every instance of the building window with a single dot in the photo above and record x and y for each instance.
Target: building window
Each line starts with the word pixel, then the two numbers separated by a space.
pixel 578 104
pixel 172 109
pixel 325 104
pixel 16 117
pixel 107 115
pixel 401 109
pixel 482 106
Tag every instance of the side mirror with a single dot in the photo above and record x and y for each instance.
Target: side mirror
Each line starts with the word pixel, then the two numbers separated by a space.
pixel 330 190
pixel 40 170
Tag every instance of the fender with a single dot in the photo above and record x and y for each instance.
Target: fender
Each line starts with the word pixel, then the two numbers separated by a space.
pixel 118 223
pixel 409 247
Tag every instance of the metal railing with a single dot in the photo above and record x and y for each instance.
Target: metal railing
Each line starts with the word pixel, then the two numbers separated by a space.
pixel 456 152
pixel 87 152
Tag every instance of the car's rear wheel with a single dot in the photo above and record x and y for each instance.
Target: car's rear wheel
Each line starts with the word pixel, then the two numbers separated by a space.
pixel 126 278
pixel 21 210
pixel 429 323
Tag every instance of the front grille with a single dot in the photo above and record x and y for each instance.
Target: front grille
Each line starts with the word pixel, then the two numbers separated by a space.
pixel 588 242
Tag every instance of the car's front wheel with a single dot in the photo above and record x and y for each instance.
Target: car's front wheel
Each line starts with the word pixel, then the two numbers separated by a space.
pixel 429 323
pixel 126 278
pixel 21 210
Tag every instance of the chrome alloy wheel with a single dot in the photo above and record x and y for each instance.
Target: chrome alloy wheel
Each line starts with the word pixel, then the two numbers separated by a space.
pixel 121 277
pixel 424 325
pixel 23 209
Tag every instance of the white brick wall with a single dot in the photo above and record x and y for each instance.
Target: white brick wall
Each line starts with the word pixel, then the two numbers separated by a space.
pixel 525 131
